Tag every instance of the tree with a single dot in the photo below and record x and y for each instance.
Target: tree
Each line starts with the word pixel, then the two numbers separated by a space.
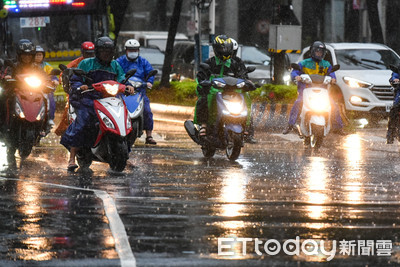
pixel 173 27
pixel 374 22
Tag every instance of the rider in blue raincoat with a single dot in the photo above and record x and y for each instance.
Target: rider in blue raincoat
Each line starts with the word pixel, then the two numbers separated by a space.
pixel 132 60
pixel 100 68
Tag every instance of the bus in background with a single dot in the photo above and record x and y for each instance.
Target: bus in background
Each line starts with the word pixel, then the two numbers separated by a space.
pixel 59 26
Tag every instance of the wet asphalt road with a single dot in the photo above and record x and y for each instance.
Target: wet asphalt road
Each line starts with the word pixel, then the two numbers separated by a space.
pixel 170 206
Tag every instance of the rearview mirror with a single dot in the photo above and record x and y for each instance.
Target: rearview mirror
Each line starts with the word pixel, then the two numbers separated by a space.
pixel 55 72
pixel 62 67
pixel 393 68
pixel 79 72
pixel 295 66
pixel 251 69
pixel 151 74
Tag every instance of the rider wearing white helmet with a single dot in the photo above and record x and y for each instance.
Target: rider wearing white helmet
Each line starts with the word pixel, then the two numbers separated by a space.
pixel 132 60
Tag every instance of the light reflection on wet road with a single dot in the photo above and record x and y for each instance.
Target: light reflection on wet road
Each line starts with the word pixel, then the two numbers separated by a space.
pixel 175 204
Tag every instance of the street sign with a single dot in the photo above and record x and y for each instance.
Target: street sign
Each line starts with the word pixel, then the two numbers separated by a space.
pixel 34 22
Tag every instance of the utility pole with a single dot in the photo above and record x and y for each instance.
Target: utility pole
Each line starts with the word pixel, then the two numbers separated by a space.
pixel 200 5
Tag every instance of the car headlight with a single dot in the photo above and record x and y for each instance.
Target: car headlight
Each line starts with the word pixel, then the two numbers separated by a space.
pixel 106 120
pixel 218 84
pixel 33 81
pixel 319 103
pixel 355 83
pixel 111 89
pixel 234 107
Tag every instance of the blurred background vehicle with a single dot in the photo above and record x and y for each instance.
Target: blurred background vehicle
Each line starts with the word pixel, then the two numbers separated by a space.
pixel 183 62
pixel 147 39
pixel 363 87
pixel 155 58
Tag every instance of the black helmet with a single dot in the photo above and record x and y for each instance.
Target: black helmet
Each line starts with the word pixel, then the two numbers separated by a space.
pixel 25 46
pixel 318 46
pixel 104 44
pixel 223 47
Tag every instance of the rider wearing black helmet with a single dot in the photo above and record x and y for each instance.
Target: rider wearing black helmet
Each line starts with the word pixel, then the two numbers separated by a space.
pixel 104 50
pixel 99 68
pixel 221 64
pixel 314 65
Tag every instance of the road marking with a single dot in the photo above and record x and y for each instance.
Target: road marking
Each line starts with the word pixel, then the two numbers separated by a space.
pixel 122 245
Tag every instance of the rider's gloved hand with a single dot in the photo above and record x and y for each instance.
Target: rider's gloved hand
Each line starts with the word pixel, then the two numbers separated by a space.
pixel 297 78
pixel 149 85
pixel 333 81
pixel 130 89
pixel 84 87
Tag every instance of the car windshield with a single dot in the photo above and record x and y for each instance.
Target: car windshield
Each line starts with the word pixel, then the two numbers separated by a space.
pixel 253 55
pixel 154 56
pixel 366 59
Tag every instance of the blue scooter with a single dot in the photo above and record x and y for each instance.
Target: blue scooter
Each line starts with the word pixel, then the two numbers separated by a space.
pixel 135 105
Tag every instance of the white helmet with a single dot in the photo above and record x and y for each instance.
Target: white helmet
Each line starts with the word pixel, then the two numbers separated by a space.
pixel 132 43
pixel 235 44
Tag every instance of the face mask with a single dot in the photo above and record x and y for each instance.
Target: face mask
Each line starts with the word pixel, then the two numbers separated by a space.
pixel 133 55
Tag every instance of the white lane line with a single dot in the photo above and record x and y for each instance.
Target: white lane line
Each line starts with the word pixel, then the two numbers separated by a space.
pixel 118 230
pixel 122 245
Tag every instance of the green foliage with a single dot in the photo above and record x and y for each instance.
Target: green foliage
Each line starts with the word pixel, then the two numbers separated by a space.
pixel 180 93
pixel 184 93
pixel 275 92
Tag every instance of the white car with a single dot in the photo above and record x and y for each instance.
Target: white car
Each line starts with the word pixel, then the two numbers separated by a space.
pixel 363 78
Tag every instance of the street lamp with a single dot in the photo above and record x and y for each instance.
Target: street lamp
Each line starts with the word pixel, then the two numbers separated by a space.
pixel 200 6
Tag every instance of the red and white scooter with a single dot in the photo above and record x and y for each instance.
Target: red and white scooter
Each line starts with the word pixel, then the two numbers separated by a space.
pixel 111 145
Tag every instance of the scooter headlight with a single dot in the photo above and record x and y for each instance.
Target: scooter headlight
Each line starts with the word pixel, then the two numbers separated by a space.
pixel 111 89
pixel 106 120
pixel 136 84
pixel 240 85
pixel 18 110
pixel 320 103
pixel 33 81
pixel 40 116
pixel 218 84
pixel 128 122
pixel 234 107
pixel 138 110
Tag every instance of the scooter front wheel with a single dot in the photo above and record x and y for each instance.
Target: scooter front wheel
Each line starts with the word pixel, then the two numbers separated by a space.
pixel 234 146
pixel 119 155
pixel 84 158
pixel 208 151
pixel 317 136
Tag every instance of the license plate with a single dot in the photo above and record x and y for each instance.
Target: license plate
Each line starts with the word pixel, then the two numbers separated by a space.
pixel 388 107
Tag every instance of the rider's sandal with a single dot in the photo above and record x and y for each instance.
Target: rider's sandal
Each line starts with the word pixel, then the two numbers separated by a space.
pixel 203 131
pixel 150 141
pixel 72 167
